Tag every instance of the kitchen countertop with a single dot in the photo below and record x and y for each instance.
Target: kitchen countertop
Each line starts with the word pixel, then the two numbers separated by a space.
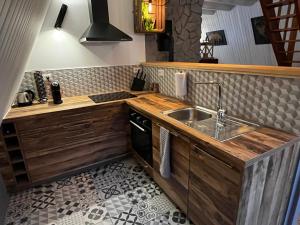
pixel 68 103
pixel 243 150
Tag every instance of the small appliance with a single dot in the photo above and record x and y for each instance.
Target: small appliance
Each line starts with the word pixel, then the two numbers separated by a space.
pixel 55 89
pixel 141 135
pixel 25 98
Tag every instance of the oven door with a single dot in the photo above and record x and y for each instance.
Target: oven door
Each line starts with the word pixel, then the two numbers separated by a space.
pixel 141 139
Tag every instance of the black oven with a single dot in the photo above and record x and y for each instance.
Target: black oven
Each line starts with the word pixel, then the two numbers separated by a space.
pixel 141 135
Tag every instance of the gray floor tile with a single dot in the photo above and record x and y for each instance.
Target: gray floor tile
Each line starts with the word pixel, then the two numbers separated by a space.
pixel 118 193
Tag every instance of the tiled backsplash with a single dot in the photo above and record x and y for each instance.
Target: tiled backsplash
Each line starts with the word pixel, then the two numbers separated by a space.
pixel 86 81
pixel 274 102
pixel 271 101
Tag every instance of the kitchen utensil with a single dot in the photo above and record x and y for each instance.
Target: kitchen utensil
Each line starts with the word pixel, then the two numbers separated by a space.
pixel 25 98
pixel 138 82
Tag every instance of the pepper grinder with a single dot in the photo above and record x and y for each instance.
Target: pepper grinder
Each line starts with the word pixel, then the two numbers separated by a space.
pixel 55 88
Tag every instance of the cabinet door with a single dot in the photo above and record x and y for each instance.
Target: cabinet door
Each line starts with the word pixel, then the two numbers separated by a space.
pixel 214 189
pixel 77 138
pixel 176 187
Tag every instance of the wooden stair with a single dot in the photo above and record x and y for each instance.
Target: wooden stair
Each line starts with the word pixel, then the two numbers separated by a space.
pixel 283 26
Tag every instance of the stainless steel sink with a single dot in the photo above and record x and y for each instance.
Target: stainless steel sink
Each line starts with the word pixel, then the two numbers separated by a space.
pixel 205 121
pixel 189 115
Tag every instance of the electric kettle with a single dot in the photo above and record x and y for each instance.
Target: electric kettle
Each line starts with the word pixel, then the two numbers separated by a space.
pixel 25 98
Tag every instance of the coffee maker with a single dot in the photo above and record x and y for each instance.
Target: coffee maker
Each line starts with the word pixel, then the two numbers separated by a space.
pixel 55 89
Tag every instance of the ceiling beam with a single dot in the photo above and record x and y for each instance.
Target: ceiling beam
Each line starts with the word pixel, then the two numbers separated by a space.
pixel 217 6
pixel 233 2
pixel 208 12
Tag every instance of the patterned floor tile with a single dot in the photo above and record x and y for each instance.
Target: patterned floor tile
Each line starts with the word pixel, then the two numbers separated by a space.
pixel 117 193
pixel 146 211
pixel 163 203
pixel 68 208
pixel 96 214
pixel 74 219
pixel 126 218
pixel 44 216
pixel 138 195
pixel 110 191
pixel 176 217
pixel 153 189
pixel 117 205
pixel 43 200
pixel 19 208
pixel 160 220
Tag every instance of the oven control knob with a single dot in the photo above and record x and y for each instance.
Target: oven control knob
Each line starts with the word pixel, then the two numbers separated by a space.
pixel 132 115
pixel 146 122
pixel 138 118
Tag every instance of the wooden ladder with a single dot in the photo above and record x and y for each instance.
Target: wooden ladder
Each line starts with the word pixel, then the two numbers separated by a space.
pixel 283 26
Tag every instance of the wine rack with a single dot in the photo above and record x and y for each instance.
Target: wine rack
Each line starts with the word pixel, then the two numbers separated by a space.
pixel 12 146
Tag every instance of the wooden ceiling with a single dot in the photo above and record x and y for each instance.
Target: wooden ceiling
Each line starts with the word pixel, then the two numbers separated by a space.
pixel 211 6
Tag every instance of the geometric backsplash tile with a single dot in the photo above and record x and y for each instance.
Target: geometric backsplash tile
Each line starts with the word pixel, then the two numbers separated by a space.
pixel 271 101
pixel 86 81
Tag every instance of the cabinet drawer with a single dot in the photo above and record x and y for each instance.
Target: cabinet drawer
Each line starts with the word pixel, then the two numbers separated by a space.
pixel 75 157
pixel 43 121
pixel 214 189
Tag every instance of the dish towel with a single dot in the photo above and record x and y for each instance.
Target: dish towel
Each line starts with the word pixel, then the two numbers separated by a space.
pixel 180 84
pixel 165 166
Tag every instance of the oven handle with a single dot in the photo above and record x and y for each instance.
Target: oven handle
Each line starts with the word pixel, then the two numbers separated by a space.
pixel 137 126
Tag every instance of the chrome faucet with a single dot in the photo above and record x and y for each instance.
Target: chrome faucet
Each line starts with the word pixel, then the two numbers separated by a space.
pixel 220 110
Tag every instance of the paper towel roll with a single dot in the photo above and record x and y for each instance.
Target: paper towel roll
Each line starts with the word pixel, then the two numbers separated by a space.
pixel 180 84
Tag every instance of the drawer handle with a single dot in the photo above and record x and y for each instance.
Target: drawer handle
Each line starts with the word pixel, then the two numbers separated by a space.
pixel 137 126
pixel 196 149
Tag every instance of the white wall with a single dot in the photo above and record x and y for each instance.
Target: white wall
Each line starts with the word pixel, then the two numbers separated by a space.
pixel 61 49
pixel 241 48
pixel 20 22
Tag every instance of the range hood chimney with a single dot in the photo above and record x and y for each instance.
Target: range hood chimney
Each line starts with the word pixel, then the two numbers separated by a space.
pixel 100 29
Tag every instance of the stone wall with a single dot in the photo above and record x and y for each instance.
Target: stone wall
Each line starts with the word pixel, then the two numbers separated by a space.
pixel 186 18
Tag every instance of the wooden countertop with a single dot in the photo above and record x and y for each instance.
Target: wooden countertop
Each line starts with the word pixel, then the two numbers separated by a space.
pixel 272 71
pixel 243 150
pixel 68 103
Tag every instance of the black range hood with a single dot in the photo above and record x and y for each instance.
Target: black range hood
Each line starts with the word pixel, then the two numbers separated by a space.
pixel 100 29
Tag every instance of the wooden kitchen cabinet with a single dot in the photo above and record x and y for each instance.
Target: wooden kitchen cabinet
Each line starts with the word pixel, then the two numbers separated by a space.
pixel 176 187
pixel 214 189
pixel 60 142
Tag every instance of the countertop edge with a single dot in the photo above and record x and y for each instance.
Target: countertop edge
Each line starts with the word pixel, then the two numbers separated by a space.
pixel 259 70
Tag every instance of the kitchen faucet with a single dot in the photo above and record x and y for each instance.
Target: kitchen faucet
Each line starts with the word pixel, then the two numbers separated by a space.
pixel 220 110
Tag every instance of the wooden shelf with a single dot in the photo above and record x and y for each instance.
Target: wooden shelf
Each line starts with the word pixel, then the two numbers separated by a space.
pixel 14 148
pixel 20 172
pixel 145 17
pixel 22 179
pixel 270 71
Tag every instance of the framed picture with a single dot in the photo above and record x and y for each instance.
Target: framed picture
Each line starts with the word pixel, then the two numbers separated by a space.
pixel 217 37
pixel 259 30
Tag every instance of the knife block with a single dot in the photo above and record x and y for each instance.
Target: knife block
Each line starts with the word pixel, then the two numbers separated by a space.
pixel 137 84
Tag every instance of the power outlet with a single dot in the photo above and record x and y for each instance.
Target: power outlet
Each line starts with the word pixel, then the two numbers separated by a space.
pixel 136 69
pixel 46 76
pixel 161 73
